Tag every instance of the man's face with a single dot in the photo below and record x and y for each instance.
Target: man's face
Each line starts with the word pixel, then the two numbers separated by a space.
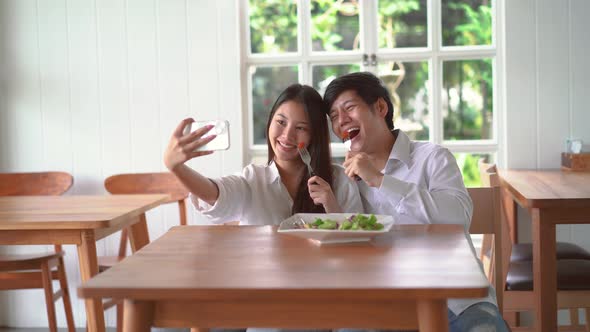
pixel 349 113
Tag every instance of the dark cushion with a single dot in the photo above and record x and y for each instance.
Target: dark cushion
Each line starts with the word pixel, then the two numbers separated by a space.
pixel 524 252
pixel 572 274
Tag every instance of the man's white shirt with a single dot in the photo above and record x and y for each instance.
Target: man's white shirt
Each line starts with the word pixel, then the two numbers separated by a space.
pixel 422 184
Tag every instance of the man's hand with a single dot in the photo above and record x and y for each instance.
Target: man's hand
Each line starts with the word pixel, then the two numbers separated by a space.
pixel 359 163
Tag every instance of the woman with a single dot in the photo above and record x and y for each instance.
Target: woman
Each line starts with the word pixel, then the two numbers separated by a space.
pixel 268 194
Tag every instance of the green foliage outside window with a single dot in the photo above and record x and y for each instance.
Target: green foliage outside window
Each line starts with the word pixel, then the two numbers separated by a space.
pixel 467 84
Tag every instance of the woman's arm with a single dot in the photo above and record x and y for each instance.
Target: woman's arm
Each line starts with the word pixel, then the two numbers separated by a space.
pixel 181 148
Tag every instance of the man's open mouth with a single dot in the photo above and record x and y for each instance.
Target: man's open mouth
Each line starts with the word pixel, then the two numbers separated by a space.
pixel 353 132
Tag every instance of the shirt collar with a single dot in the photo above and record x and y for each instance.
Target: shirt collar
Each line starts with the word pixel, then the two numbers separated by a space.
pixel 401 147
pixel 273 174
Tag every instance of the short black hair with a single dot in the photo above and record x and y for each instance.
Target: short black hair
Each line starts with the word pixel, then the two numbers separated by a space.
pixel 368 86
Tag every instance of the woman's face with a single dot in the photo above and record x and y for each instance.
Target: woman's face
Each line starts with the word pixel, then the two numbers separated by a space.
pixel 289 127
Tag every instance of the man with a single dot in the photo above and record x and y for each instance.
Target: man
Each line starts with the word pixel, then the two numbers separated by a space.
pixel 418 182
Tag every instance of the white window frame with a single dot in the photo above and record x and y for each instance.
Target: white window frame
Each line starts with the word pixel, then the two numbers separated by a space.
pixel 434 53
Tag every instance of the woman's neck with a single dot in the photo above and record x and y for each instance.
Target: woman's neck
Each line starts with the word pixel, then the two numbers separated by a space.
pixel 291 173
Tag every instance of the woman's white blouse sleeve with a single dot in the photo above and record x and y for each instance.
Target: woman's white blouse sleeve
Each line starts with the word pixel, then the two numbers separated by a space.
pixel 234 195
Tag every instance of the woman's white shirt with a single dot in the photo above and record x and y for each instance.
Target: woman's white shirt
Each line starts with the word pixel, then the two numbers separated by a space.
pixel 257 196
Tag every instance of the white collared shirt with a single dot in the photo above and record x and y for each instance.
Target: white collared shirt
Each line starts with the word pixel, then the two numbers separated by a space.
pixel 257 196
pixel 422 184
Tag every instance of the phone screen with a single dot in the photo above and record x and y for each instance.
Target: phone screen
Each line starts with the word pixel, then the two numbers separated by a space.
pixel 221 129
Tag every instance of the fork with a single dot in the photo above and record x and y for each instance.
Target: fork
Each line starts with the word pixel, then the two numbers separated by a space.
pixel 306 158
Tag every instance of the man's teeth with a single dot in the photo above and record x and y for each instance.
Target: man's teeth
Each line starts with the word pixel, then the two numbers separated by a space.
pixel 353 132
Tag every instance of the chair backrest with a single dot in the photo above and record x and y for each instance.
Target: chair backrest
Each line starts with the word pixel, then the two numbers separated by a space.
pixel 148 183
pixel 487 220
pixel 485 171
pixel 35 184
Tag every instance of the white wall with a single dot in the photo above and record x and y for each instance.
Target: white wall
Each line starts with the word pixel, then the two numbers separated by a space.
pixel 95 87
pixel 547 89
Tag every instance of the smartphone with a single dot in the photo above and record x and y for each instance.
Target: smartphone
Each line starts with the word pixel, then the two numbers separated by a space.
pixel 221 129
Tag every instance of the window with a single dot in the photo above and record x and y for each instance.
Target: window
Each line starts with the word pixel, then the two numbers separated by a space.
pixel 439 59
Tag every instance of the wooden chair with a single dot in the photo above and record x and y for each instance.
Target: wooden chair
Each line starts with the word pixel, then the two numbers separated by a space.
pixel 140 183
pixel 486 220
pixel 514 288
pixel 38 271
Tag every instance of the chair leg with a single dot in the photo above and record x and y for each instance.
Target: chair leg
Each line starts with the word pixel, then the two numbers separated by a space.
pixel 48 289
pixel 512 318
pixel 63 284
pixel 120 317
pixel 574 320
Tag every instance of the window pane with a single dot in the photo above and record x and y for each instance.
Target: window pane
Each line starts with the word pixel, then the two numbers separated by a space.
pixel 273 26
pixel 408 84
pixel 467 99
pixel 267 84
pixel 402 23
pixel 468 165
pixel 335 25
pixel 323 75
pixel 466 22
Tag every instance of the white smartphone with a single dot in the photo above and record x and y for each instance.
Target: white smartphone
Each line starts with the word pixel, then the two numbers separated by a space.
pixel 221 129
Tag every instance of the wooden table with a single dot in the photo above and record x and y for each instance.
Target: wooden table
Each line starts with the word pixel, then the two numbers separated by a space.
pixel 552 197
pixel 79 220
pixel 252 276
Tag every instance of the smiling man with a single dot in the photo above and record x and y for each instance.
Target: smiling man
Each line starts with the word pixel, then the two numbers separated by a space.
pixel 417 182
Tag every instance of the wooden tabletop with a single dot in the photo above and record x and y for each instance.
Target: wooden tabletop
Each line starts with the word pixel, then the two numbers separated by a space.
pixel 547 188
pixel 257 263
pixel 72 212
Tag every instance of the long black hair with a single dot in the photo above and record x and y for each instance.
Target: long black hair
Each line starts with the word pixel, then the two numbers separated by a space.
pixel 319 146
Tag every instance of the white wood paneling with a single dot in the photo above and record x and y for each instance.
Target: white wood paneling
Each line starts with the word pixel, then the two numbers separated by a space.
pixel 21 87
pixel 580 73
pixel 229 90
pixel 95 87
pixel 144 105
pixel 553 70
pixel 520 71
pixel 580 90
pixel 55 84
pixel 203 106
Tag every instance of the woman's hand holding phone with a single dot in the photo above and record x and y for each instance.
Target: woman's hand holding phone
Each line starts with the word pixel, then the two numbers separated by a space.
pixel 183 147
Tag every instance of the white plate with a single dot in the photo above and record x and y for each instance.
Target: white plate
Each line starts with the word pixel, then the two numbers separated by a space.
pixel 324 236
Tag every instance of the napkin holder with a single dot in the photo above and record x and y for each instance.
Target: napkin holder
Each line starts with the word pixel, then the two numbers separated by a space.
pixel 577 162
